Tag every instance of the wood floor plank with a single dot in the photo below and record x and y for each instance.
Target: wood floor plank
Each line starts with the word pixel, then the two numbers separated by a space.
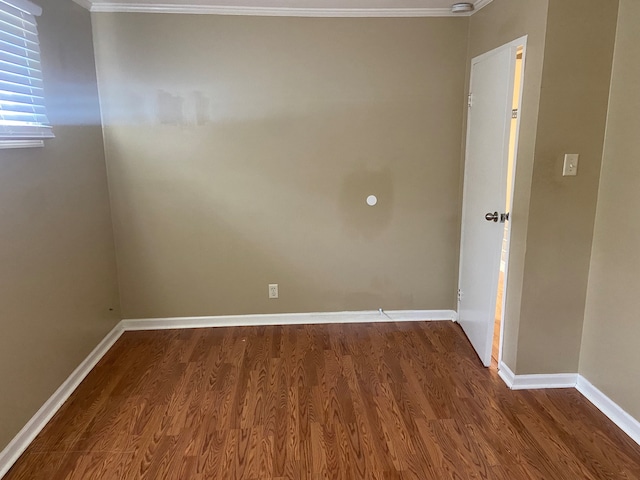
pixel 385 401
pixel 37 466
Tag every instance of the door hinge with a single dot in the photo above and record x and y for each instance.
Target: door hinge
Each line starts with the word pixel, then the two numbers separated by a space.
pixel 470 100
pixel 459 295
pixel 514 113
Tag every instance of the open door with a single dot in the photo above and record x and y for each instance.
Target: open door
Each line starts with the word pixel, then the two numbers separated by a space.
pixel 484 195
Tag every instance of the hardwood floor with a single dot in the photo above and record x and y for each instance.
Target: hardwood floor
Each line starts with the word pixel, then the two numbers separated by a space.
pixel 358 401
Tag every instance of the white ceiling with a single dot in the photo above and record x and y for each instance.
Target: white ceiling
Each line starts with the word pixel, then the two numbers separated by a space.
pixel 317 8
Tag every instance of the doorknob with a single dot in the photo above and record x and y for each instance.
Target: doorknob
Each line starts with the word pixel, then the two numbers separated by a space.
pixel 492 217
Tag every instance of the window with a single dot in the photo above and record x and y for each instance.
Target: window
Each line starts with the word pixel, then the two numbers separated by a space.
pixel 23 118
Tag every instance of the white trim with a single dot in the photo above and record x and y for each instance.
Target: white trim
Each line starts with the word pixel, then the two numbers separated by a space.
pixel 8 144
pixel 513 44
pixel 21 441
pixel 197 9
pixel 480 4
pixel 505 280
pixel 506 374
pixel 26 6
pixel 536 381
pixel 288 319
pixel 554 380
pixel 120 7
pixel 84 3
pixel 611 409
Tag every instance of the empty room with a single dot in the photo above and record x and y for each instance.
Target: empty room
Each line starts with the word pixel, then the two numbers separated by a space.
pixel 319 239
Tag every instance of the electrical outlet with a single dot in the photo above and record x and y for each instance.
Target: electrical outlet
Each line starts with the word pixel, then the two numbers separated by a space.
pixel 273 290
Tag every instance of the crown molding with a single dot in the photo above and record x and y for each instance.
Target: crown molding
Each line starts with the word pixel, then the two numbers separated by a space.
pixel 479 4
pixel 131 7
pixel 119 7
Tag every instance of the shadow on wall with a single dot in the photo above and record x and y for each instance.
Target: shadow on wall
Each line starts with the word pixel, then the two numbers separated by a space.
pixel 359 218
pixel 207 216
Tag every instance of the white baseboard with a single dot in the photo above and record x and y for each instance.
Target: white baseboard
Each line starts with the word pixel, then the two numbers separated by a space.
pixel 506 374
pixel 18 445
pixel 21 441
pixel 288 319
pixel 536 381
pixel 611 409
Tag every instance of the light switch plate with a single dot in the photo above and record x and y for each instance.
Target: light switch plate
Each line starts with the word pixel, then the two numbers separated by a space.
pixel 570 167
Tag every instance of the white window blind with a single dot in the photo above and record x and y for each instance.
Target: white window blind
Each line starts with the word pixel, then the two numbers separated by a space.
pixel 22 109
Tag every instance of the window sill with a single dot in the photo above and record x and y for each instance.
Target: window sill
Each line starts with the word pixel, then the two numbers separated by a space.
pixel 6 144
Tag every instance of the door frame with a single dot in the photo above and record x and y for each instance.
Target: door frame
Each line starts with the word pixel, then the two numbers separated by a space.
pixel 513 46
pixel 520 42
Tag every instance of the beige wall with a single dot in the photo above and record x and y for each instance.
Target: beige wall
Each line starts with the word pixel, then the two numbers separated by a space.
pixel 566 82
pixel 610 357
pixel 58 279
pixel 241 151
pixel 573 108
pixel 497 24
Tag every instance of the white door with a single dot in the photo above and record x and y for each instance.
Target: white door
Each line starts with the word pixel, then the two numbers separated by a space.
pixel 484 196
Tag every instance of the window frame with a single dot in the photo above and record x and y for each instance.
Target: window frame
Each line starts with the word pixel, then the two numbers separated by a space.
pixel 39 124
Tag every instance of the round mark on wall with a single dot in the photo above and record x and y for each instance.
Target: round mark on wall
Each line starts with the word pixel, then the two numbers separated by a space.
pixel 372 200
